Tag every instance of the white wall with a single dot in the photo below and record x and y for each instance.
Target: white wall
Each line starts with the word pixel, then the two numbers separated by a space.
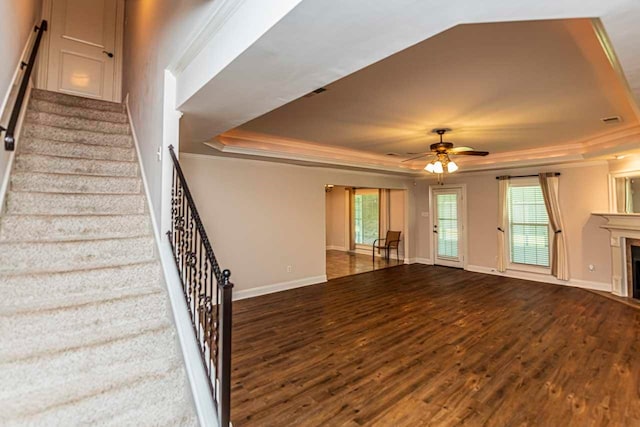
pixel 18 18
pixel 155 35
pixel 263 216
pixel 583 190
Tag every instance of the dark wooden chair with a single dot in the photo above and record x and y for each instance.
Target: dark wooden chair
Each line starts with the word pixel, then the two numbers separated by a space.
pixel 390 242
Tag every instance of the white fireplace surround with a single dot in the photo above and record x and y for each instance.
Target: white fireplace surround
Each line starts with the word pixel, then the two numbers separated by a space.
pixel 622 226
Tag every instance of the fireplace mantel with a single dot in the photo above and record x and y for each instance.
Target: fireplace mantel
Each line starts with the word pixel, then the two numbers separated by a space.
pixel 622 227
pixel 621 221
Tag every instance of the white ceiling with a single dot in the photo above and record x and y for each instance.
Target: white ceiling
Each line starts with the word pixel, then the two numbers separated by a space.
pixel 500 86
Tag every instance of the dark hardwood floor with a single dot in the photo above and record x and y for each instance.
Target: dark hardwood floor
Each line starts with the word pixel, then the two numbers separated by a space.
pixel 419 345
pixel 340 264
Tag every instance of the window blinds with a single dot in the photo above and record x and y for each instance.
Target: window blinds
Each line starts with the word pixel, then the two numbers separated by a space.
pixel 528 226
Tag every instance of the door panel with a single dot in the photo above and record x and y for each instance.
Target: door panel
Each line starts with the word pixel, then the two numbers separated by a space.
pixel 447 228
pixel 83 33
pixel 84 22
pixel 81 73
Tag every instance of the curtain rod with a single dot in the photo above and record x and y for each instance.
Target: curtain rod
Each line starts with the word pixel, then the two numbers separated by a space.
pixel 527 176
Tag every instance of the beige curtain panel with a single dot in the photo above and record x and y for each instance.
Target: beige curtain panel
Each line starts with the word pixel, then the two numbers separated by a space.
pixel 503 219
pixel 559 259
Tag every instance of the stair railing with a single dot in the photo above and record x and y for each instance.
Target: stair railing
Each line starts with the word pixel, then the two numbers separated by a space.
pixel 9 136
pixel 207 290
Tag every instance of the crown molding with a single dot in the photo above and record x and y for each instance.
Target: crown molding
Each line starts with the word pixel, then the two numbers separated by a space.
pixel 609 51
pixel 359 171
pixel 198 39
pixel 599 147
pixel 622 140
pixel 603 145
pixel 255 144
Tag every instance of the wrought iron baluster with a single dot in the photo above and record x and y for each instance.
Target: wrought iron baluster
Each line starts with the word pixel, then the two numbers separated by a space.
pixel 208 278
pixel 207 290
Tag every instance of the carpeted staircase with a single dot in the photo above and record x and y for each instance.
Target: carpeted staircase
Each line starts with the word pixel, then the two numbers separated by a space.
pixel 86 331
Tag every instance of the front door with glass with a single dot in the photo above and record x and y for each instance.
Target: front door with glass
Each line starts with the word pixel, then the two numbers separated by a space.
pixel 448 227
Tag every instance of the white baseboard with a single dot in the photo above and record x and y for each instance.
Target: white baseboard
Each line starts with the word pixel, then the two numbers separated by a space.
pixel 278 287
pixel 543 278
pixel 198 379
pixel 337 248
pixel 588 284
pixel 426 261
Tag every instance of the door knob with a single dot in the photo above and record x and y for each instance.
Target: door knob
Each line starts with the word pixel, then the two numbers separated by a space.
pixel 109 54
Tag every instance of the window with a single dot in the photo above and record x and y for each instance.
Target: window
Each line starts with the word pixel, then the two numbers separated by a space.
pixel 366 216
pixel 447 209
pixel 528 224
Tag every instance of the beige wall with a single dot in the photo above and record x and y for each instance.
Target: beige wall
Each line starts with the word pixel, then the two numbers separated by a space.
pixel 397 211
pixel 583 190
pixel 155 34
pixel 18 18
pixel 627 164
pixel 337 220
pixel 264 216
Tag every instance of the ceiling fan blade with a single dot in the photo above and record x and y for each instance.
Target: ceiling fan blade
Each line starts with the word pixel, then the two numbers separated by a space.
pixel 417 157
pixel 459 149
pixel 471 153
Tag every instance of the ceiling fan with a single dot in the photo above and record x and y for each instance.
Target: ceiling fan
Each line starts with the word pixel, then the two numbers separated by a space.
pixel 441 151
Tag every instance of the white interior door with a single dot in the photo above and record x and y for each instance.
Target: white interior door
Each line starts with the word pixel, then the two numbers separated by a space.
pixel 82 48
pixel 448 227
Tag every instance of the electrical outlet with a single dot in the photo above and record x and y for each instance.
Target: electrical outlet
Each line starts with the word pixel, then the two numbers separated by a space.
pixel 289 268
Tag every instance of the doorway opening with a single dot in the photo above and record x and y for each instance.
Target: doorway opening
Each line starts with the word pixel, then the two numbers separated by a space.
pixel 357 219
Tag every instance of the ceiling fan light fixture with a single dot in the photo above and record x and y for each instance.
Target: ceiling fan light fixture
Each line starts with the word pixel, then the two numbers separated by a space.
pixel 440 160
pixel 437 167
pixel 452 167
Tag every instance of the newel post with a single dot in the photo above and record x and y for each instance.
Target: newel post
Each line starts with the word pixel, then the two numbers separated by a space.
pixel 226 288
